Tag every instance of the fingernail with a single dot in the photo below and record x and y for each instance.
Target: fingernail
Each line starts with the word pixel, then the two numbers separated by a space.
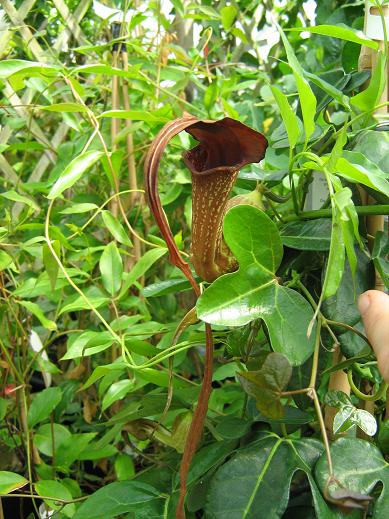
pixel 363 303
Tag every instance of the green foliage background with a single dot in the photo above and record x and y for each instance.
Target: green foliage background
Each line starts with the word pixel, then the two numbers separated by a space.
pixel 89 302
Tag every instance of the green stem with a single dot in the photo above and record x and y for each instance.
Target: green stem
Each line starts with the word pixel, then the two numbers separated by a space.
pixel 368 398
pixel 379 209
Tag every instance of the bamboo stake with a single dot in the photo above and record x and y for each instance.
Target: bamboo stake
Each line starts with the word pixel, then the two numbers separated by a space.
pixel 338 381
pixel 132 178
pixel 115 123
pixel 368 61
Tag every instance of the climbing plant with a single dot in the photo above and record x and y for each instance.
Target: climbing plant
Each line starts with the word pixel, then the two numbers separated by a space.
pixel 184 232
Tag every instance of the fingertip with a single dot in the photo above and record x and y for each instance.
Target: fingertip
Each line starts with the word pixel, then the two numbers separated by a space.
pixel 374 308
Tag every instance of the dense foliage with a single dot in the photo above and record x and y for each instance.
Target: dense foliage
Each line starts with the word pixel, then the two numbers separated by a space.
pixel 101 356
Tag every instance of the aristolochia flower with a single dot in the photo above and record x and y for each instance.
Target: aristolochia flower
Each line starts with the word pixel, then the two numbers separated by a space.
pixel 225 147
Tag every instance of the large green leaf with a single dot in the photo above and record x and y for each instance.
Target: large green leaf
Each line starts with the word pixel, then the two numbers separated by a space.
pixel 358 467
pixel 116 499
pixel 255 483
pixel 253 291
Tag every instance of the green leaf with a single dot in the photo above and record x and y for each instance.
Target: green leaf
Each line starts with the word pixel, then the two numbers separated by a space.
pixel 331 90
pixel 116 499
pixel 116 228
pixel 43 437
pixel 135 115
pixel 231 427
pixel 353 166
pixel 100 371
pixel 368 99
pixel 253 291
pixel 167 286
pixel 6 261
pixel 107 70
pixel 64 107
pixel 3 408
pixel 374 146
pixel 16 197
pixel 308 235
pixel 94 297
pixel 340 31
pixel 26 68
pixel 43 405
pixel 345 207
pixel 228 15
pixel 87 343
pixel 111 268
pixel 238 33
pixel 342 417
pixel 71 448
pixel 117 391
pixel 380 256
pixel 342 306
pixel 288 116
pixel 383 436
pixel 9 481
pixel 74 172
pixel 141 267
pixel 336 259
pixel 51 488
pixel 358 467
pixel 307 98
pixel 365 421
pixel 35 310
pixel 79 208
pixel 267 384
pixel 124 467
pixel 50 263
pixel 255 482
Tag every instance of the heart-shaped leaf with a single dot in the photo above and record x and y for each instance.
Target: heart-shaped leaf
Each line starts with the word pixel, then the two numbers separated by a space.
pixel 358 467
pixel 245 487
pixel 253 291
pixel 267 384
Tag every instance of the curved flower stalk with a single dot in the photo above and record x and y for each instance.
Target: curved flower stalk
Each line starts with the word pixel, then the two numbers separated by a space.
pixel 224 148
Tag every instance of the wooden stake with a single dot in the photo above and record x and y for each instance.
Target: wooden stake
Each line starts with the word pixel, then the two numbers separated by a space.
pixel 368 61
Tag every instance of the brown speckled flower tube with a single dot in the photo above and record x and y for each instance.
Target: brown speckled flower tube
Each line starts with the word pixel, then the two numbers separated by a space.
pixel 225 147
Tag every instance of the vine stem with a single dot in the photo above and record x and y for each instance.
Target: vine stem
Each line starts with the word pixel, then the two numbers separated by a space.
pixel 311 392
pixel 367 398
pixel 363 210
